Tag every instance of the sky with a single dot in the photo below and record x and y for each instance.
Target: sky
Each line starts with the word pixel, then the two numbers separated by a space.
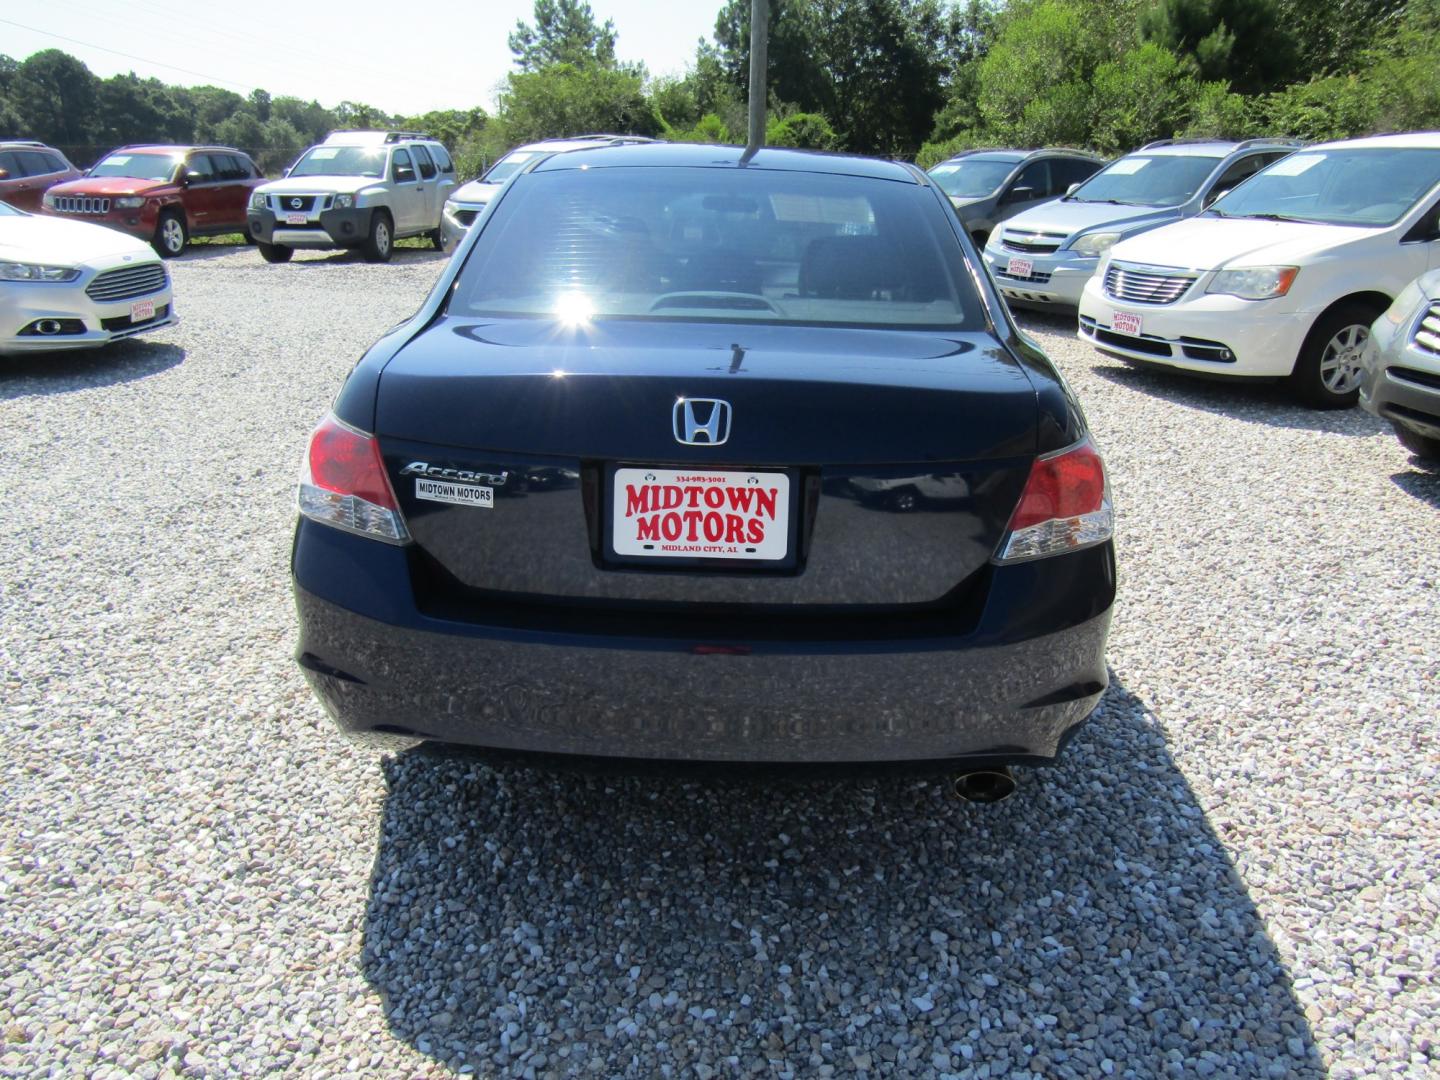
pixel 446 55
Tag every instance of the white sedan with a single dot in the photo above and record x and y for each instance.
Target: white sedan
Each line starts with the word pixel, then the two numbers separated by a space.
pixel 72 285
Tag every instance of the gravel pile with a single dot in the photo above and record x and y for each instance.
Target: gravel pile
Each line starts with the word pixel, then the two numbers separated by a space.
pixel 1233 873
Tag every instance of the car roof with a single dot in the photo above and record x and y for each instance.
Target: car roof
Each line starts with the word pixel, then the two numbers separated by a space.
pixel 695 155
pixel 1022 155
pixel 168 148
pixel 581 142
pixel 1414 140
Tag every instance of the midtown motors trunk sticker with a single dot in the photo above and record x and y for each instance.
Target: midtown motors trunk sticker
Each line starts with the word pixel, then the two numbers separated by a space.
pixel 714 514
pixel 459 494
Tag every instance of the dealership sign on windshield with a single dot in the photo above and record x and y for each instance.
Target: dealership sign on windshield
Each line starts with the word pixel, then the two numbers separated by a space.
pixel 709 515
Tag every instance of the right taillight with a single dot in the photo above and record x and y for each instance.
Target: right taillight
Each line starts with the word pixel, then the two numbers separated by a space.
pixel 343 483
pixel 1065 506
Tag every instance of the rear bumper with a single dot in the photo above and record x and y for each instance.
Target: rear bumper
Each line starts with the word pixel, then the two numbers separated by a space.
pixel 1010 688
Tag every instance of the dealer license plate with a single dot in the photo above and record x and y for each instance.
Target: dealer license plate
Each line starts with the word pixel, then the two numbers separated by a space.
pixel 141 310
pixel 1020 268
pixel 1125 323
pixel 296 219
pixel 701 514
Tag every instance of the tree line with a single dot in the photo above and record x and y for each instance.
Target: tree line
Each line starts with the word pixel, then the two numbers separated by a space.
pixel 900 78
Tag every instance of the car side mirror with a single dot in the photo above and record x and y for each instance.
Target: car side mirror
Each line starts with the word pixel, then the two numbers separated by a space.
pixel 1020 194
pixel 191 177
pixel 4 174
pixel 1072 189
pixel 404 176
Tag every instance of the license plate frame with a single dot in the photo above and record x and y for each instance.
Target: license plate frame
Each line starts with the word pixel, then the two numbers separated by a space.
pixel 142 311
pixel 297 219
pixel 1020 268
pixel 1127 323
pixel 622 545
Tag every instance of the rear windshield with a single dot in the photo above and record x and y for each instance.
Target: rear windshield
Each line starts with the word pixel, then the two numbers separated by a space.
pixel 341 161
pixel 138 166
pixel 1148 180
pixel 1369 186
pixel 971 178
pixel 720 244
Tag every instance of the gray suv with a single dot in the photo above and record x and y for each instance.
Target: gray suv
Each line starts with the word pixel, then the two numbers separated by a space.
pixel 987 187
pixel 357 189
pixel 466 202
pixel 1044 256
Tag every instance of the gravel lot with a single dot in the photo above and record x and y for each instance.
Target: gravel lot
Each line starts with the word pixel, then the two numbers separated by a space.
pixel 1233 873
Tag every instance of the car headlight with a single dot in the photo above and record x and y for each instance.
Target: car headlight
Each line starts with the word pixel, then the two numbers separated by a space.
pixel 1095 244
pixel 18 271
pixel 343 202
pixel 257 200
pixel 1255 282
pixel 128 202
pixel 49 199
pixel 1406 305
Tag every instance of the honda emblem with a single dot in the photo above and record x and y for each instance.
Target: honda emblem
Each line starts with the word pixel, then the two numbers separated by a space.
pixel 702 421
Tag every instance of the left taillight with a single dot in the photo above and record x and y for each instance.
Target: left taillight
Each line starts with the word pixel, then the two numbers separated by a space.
pixel 1065 506
pixel 343 483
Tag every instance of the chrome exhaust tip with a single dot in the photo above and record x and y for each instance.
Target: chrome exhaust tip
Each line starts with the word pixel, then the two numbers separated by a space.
pixel 985 785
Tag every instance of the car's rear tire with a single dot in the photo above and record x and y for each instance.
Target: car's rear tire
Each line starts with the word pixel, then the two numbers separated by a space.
pixel 1422 446
pixel 274 253
pixel 380 243
pixel 171 236
pixel 1327 371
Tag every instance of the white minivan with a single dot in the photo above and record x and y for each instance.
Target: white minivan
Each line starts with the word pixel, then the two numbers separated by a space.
pixel 1281 277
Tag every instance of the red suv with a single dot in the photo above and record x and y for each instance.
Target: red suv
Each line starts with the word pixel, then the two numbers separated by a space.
pixel 164 194
pixel 27 169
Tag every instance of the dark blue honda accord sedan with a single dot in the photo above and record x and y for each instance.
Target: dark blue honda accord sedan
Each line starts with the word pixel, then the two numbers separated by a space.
pixel 694 459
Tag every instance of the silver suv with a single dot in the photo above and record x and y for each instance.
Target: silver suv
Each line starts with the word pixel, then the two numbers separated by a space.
pixel 1044 256
pixel 357 189
pixel 465 204
pixel 987 187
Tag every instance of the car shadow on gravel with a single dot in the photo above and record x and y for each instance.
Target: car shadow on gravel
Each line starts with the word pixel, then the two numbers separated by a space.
pixel 84 369
pixel 1254 402
pixel 1092 923
pixel 348 256
pixel 1423 483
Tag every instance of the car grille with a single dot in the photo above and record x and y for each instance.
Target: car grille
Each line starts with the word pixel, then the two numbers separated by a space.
pixel 1427 334
pixel 81 204
pixel 1138 286
pixel 1037 277
pixel 1032 243
pixel 295 203
pixel 127 282
pixel 466 217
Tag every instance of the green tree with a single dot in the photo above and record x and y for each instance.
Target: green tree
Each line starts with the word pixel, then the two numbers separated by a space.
pixel 1035 81
pixel 565 32
pixel 562 99
pixel 55 95
pixel 1242 42
pixel 1145 94
pixel 875 68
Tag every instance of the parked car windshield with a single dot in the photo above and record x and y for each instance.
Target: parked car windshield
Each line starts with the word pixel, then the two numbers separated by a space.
pixel 972 178
pixel 138 166
pixel 1366 186
pixel 1148 180
pixel 508 166
pixel 341 161
pixel 719 244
